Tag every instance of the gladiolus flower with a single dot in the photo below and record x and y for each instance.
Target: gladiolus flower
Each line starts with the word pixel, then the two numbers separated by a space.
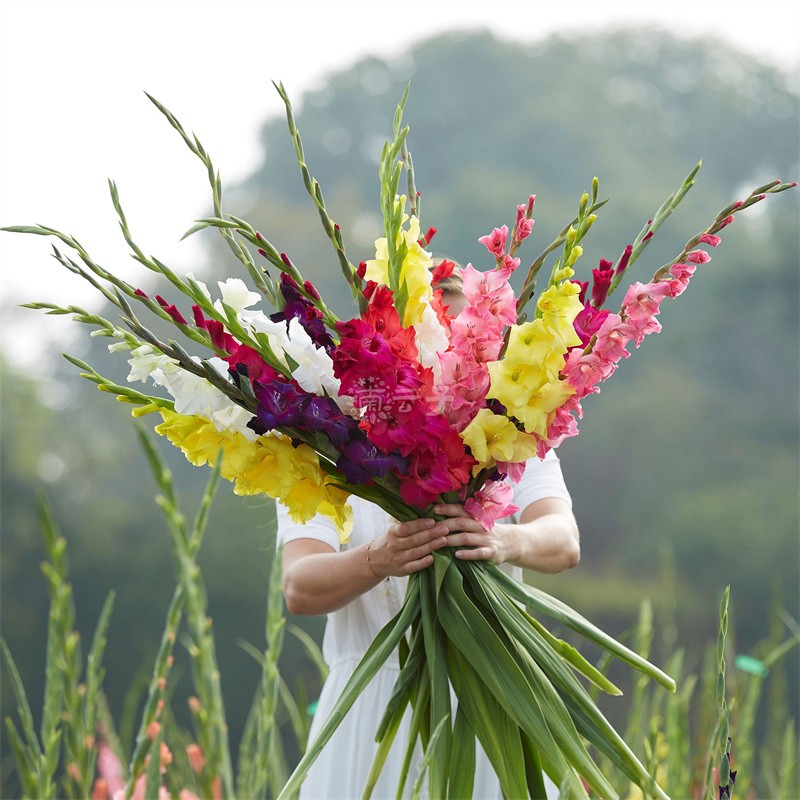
pixel 524 225
pixel 710 239
pixel 698 257
pixel 491 503
pixel 495 242
pixel 681 274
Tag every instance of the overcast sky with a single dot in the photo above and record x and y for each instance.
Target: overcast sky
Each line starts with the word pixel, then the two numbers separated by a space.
pixel 72 77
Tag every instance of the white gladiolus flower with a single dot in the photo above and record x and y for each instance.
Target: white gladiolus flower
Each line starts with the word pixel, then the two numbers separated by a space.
pixel 259 322
pixel 149 363
pixel 234 418
pixel 431 341
pixel 314 371
pixel 236 295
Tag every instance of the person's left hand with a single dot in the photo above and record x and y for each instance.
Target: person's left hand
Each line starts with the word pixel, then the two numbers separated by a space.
pixel 466 532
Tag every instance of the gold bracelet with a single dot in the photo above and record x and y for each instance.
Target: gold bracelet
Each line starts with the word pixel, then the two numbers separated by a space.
pixel 369 562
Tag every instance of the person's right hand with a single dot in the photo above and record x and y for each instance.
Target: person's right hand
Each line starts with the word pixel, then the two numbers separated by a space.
pixel 406 547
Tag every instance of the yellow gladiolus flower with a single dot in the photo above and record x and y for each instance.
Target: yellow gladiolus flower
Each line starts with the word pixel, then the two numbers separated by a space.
pixel 535 343
pixel 269 465
pixel 492 437
pixel 535 414
pixel 559 306
pixel 414 272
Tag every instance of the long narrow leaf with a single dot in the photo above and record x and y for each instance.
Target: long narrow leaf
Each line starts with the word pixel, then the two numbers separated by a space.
pixel 554 608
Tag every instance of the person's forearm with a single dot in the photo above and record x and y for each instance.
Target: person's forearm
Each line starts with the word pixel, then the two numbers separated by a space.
pixel 549 543
pixel 322 582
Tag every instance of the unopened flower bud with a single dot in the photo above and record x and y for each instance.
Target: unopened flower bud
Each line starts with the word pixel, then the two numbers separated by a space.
pixel 153 729
pixel 571 234
pixel 74 772
pixel 196 758
pixel 194 704
pixel 583 203
pixel 574 255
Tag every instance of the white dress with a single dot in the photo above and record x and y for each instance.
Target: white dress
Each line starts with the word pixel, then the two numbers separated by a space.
pixel 340 771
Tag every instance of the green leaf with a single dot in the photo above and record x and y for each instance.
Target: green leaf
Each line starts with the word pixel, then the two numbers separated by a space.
pixel 440 687
pixel 461 779
pixel 546 604
pixel 495 730
pixel 23 707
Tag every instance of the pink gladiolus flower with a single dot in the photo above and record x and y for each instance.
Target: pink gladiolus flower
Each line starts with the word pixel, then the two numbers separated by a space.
pixel 612 337
pixel 698 257
pixel 495 242
pixel 490 292
pixel 514 470
pixel 524 225
pixel 477 332
pixel 710 239
pixel 642 300
pixel 681 274
pixel 727 221
pixel 563 426
pixel 491 503
pixel 510 264
pixel 584 370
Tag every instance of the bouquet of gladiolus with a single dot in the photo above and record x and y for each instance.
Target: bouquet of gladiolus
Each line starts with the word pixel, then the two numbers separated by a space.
pixel 405 406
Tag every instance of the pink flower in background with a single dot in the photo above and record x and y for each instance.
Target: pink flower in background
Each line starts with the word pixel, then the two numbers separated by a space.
pixel 698 257
pixel 495 242
pixel 681 273
pixel 110 769
pixel 463 388
pixel 491 503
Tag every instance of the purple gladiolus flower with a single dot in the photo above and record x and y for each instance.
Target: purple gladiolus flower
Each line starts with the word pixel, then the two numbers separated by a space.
pixel 361 461
pixel 279 404
pixel 322 414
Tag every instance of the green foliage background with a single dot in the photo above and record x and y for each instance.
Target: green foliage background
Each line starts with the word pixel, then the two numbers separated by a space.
pixel 687 466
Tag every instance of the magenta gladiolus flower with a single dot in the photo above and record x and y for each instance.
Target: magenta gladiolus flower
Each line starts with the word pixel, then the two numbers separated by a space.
pixel 601 282
pixel 495 242
pixel 588 322
pixel 491 503
pixel 710 239
pixel 171 309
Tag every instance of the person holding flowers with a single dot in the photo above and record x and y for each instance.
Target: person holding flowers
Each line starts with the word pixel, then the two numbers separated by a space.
pixel 361 585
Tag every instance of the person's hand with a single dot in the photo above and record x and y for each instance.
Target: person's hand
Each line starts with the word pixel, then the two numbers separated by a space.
pixel 406 547
pixel 466 532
